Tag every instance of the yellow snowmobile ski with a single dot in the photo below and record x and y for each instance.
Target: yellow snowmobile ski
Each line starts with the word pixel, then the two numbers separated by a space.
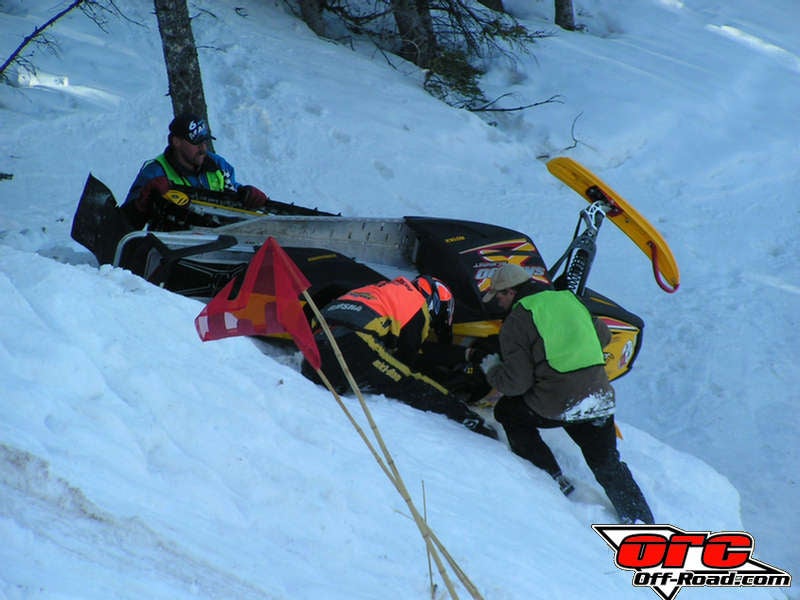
pixel 624 216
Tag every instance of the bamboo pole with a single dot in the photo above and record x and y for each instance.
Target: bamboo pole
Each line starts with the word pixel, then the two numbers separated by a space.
pixel 431 550
pixel 425 516
pixel 431 541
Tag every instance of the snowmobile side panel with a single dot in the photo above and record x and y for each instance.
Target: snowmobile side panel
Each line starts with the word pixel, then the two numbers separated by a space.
pixel 464 255
pixel 331 274
pixel 626 332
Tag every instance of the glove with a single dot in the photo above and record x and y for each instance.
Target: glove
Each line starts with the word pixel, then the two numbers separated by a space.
pixel 490 362
pixel 252 197
pixel 156 187
pixel 475 355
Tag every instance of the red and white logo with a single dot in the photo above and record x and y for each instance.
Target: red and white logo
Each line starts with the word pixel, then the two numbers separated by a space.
pixel 666 558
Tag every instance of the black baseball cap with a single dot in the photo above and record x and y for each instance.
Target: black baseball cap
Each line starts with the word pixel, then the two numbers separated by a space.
pixel 191 128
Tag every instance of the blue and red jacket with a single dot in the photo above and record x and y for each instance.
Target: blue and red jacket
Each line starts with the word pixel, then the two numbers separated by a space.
pixel 216 174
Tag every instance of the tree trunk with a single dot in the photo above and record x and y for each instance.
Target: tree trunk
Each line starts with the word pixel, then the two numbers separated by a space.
pixel 311 11
pixel 565 18
pixel 180 56
pixel 415 26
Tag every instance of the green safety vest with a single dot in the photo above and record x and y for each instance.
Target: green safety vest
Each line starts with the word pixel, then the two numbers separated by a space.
pixel 216 179
pixel 566 327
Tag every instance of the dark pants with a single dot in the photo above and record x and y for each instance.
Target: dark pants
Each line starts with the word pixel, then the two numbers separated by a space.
pixel 376 371
pixel 598 442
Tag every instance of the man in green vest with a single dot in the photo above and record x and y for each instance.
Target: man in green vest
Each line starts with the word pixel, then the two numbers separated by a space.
pixel 186 161
pixel 552 374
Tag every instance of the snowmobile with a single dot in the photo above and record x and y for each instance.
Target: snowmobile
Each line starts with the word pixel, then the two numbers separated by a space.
pixel 200 240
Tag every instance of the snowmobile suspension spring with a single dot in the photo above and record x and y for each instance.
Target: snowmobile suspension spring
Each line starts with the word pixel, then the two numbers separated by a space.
pixel 576 271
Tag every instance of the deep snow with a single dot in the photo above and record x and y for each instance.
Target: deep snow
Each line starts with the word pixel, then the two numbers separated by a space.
pixel 136 461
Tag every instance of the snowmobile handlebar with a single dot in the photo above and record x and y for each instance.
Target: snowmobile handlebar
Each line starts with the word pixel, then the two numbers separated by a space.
pixel 232 199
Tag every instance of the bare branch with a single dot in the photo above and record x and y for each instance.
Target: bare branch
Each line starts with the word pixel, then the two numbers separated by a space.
pixel 555 99
pixel 576 141
pixel 35 34
pixel 93 9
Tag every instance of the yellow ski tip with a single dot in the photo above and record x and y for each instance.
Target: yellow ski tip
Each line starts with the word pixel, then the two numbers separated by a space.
pixel 623 215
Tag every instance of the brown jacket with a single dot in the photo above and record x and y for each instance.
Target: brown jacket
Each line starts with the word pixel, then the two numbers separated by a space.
pixel 580 395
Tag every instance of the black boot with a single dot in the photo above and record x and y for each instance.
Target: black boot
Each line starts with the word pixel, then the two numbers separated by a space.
pixel 624 493
pixel 475 422
pixel 564 484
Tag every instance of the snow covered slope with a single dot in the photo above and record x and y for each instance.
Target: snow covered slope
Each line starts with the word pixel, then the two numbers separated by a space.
pixel 136 461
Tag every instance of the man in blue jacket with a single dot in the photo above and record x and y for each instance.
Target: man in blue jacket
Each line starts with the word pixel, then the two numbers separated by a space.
pixel 186 161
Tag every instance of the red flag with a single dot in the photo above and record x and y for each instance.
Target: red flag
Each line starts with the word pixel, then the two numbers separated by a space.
pixel 266 304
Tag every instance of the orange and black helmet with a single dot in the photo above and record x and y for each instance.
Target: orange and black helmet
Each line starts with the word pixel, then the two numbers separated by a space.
pixel 441 303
